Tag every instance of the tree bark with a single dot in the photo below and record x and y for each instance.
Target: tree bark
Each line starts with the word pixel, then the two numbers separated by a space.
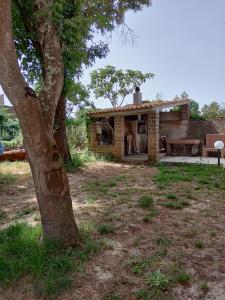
pixel 36 117
pixel 53 194
pixel 60 130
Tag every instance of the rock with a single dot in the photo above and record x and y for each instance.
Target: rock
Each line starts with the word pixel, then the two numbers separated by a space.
pixel 103 275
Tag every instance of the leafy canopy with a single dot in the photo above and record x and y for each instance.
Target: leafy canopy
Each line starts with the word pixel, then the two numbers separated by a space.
pixel 78 22
pixel 112 84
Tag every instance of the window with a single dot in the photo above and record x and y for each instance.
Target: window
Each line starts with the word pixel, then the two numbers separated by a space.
pixel 142 128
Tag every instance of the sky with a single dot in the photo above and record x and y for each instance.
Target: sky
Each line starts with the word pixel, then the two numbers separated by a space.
pixel 182 42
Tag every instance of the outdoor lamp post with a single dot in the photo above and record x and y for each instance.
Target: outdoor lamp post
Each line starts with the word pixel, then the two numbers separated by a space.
pixel 219 145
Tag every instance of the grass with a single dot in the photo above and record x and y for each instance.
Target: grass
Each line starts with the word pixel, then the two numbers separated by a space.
pixel 113 297
pixel 146 201
pixel 91 199
pixel 178 275
pixel 105 229
pixel 21 254
pixel 199 244
pixel 81 158
pixel 24 212
pixel 204 287
pixel 3 215
pixel 100 187
pixel 178 204
pixel 139 266
pixel 209 175
pixel 183 277
pixel 163 240
pixel 150 215
pixel 12 172
pixel 171 196
pixel 157 280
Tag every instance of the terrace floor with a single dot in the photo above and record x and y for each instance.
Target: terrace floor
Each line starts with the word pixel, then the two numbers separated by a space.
pixel 140 158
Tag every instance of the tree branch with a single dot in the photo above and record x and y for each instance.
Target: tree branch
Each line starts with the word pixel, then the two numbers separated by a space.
pixel 49 41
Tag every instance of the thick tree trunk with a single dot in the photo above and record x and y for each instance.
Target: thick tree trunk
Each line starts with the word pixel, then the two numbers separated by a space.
pixel 53 195
pixel 60 130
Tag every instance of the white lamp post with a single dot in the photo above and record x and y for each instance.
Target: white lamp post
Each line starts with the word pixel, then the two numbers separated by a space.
pixel 219 145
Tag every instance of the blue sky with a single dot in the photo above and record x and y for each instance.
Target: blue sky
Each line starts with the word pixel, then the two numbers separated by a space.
pixel 182 42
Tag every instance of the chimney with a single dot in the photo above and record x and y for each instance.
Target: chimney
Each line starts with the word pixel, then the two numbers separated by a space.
pixel 2 99
pixel 137 96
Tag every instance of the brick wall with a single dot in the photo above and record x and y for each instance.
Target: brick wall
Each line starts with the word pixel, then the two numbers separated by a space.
pixel 185 112
pixel 170 116
pixel 117 149
pixel 153 136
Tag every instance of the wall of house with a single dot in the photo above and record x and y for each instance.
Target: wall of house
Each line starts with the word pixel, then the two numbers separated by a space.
pixel 172 126
pixel 117 149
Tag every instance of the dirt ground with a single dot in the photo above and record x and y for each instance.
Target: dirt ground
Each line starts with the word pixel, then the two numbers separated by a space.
pixel 185 244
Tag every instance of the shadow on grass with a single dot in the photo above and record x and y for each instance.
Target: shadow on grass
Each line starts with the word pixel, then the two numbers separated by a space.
pixel 6 179
pixel 50 268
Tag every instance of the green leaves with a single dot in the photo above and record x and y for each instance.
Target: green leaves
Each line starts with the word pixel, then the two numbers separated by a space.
pixel 114 85
pixel 77 23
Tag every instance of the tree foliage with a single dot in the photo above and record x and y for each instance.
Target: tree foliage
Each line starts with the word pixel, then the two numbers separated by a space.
pixel 213 110
pixel 77 22
pixel 114 85
pixel 9 125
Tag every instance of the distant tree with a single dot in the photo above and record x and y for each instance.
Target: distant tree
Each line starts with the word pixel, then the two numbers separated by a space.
pixel 195 113
pixel 9 124
pixel 112 84
pixel 213 110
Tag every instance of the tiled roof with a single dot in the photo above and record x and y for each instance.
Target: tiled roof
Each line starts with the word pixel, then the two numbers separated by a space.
pixel 144 106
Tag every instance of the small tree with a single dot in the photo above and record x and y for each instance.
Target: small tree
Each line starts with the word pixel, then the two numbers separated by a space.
pixel 113 84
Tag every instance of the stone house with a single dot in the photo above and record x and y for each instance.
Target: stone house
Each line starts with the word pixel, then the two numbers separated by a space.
pixel 148 130
pixel 149 123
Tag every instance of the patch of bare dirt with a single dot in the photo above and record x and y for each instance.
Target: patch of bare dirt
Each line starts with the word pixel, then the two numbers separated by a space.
pixel 108 193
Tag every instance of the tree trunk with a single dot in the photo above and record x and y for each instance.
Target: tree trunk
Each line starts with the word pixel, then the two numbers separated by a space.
pixel 60 130
pixel 36 116
pixel 53 195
